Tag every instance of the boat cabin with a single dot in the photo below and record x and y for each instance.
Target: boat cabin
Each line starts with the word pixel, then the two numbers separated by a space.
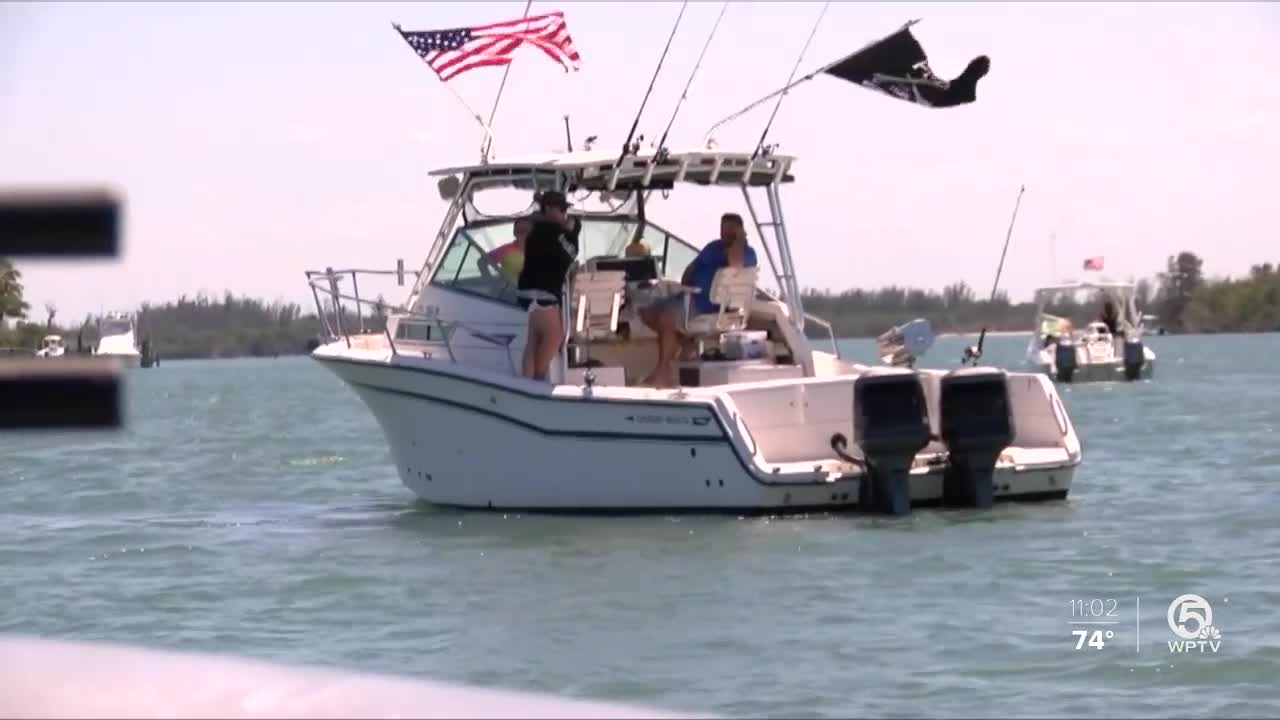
pixel 1102 310
pixel 466 295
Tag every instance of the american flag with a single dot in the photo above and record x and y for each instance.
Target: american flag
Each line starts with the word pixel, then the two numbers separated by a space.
pixel 1093 263
pixel 455 51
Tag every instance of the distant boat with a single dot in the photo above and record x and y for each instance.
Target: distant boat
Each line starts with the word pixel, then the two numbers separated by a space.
pixel 1099 353
pixel 117 339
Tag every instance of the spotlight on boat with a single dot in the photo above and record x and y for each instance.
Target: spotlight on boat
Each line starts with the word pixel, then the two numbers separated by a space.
pixel 890 425
pixel 976 426
pixel 1064 359
pixel 1134 358
pixel 903 345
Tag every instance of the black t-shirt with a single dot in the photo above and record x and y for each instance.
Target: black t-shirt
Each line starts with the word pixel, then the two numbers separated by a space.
pixel 549 251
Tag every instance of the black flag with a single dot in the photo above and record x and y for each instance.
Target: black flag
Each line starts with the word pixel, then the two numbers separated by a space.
pixel 896 65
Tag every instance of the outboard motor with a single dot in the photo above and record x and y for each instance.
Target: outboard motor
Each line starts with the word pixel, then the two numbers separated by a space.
pixel 1064 359
pixel 976 425
pixel 890 425
pixel 1134 358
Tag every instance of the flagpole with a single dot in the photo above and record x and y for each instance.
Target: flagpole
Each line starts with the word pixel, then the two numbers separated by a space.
pixel 475 115
pixel 707 138
pixel 487 145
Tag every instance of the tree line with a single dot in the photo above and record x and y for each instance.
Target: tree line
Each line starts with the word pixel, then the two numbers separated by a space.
pixel 1181 297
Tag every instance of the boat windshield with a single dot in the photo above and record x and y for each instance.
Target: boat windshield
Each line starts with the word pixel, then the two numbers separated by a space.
pixel 115 327
pixel 468 266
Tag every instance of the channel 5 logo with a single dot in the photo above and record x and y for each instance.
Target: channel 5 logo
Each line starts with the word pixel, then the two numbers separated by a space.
pixel 1191 619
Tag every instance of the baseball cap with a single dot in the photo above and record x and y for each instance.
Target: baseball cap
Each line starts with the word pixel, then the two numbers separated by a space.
pixel 554 198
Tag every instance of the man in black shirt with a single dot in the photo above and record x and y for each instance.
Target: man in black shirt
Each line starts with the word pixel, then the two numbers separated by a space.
pixel 550 250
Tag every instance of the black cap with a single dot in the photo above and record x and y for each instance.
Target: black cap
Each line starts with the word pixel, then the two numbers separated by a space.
pixel 554 198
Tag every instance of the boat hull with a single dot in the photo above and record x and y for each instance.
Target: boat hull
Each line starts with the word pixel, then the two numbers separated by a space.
pixel 469 443
pixel 1096 372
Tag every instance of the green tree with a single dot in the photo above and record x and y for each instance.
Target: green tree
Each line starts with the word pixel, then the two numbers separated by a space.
pixel 1182 278
pixel 11 303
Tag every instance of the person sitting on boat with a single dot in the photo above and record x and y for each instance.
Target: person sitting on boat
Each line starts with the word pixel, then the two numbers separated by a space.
pixel 664 318
pixel 550 250
pixel 509 258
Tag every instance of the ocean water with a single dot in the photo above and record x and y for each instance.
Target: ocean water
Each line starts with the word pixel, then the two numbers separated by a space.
pixel 251 508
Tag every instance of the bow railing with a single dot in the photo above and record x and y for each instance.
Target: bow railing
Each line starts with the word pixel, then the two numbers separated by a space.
pixel 376 316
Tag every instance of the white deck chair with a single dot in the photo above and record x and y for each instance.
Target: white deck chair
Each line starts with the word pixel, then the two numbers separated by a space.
pixel 597 303
pixel 733 289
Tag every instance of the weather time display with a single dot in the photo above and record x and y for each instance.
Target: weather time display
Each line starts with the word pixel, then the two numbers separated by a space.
pixel 1094 622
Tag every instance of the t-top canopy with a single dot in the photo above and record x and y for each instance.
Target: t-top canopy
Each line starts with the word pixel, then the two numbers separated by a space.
pixel 600 170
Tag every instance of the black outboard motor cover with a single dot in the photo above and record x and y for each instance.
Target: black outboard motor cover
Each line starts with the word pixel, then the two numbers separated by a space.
pixel 976 425
pixel 1064 358
pixel 890 425
pixel 1134 358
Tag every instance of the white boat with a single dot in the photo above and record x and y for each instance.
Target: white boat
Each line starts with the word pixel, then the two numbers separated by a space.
pixel 117 339
pixel 1108 349
pixel 768 424
pixel 52 346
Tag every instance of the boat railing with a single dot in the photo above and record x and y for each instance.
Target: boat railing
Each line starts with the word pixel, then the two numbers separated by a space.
pixel 336 322
pixel 809 317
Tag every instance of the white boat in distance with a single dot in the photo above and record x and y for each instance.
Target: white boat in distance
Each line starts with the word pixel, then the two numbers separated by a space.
pixel 766 424
pixel 1108 349
pixel 117 339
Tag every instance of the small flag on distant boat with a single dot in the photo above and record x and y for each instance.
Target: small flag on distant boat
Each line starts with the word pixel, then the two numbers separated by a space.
pixel 1093 263
pixel 897 66
pixel 454 51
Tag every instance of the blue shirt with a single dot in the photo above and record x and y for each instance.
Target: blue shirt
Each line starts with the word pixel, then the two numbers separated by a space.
pixel 710 260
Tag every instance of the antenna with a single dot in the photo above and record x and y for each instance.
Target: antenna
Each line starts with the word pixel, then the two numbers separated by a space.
pixel 663 140
pixel 626 146
pixel 568 137
pixel 487 145
pixel 794 70
pixel 971 354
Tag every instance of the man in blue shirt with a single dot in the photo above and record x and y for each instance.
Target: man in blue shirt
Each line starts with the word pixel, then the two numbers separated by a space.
pixel 730 250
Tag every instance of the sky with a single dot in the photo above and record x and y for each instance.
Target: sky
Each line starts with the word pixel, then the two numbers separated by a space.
pixel 253 141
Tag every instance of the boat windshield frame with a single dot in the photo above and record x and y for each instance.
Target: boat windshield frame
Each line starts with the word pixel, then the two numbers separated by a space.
pixel 587 174
pixel 112 326
pixel 1123 292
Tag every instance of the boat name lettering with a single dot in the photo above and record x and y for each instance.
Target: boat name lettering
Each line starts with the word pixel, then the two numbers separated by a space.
pixel 668 420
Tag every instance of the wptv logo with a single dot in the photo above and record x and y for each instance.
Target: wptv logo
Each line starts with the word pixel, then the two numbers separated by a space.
pixel 1191 619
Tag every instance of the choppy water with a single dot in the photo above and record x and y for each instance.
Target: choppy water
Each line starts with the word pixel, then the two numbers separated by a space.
pixel 251 508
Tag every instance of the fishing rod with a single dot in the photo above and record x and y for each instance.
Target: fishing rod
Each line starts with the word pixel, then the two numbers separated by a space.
pixel 662 142
pixel 972 354
pixel 626 146
pixel 796 68
pixel 487 145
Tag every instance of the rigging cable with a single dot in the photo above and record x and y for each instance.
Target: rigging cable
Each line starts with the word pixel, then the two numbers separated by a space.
pixel 663 140
pixel 794 70
pixel 636 123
